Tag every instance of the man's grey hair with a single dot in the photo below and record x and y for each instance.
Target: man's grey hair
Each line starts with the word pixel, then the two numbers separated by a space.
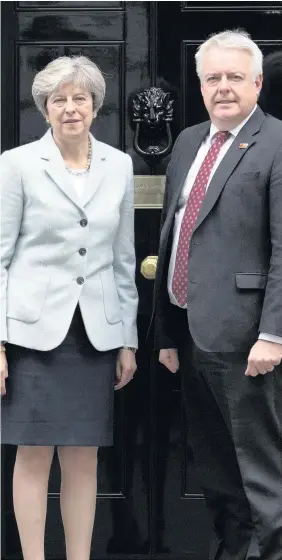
pixel 77 70
pixel 231 39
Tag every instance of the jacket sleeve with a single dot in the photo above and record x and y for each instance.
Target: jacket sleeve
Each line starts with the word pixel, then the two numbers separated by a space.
pixel 163 308
pixel 11 218
pixel 271 317
pixel 165 311
pixel 125 262
pixel 161 332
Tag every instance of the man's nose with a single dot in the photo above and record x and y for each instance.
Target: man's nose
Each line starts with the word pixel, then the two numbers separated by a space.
pixel 224 84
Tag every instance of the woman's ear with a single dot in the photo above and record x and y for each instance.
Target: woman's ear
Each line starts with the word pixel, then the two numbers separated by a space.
pixel 45 115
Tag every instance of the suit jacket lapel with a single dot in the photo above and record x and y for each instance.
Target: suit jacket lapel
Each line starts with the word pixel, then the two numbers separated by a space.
pixel 96 171
pixel 247 135
pixel 55 167
pixel 183 164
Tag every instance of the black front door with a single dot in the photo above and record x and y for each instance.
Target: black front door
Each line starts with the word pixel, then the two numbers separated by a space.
pixel 149 501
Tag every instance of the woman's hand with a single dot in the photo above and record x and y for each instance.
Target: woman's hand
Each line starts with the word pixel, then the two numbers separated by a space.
pixel 4 372
pixel 125 368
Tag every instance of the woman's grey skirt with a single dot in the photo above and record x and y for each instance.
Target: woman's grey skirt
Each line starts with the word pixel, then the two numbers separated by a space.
pixel 60 397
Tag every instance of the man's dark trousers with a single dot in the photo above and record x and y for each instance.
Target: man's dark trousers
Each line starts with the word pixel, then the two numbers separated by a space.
pixel 231 418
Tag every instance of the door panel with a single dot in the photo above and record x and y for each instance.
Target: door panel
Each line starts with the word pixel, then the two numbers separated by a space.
pixel 108 127
pixel 93 5
pixel 149 500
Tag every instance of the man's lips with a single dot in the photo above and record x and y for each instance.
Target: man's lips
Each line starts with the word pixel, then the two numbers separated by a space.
pixel 71 121
pixel 225 101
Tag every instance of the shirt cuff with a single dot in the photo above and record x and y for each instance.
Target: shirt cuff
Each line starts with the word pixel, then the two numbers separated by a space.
pixel 270 338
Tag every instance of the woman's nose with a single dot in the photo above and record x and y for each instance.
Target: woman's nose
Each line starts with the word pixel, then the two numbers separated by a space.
pixel 70 107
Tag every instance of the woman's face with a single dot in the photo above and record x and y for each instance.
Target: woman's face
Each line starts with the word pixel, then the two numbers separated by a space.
pixel 70 111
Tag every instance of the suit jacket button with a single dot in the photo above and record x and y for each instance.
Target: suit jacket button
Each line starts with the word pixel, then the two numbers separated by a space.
pixel 80 280
pixel 82 251
pixel 83 222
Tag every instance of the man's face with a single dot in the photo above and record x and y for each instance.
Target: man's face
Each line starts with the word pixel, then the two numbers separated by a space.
pixel 228 86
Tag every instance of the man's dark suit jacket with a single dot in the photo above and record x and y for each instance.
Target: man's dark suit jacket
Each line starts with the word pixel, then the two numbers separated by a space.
pixel 235 255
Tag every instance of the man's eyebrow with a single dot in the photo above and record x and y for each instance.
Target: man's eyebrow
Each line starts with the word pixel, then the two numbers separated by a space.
pixel 236 72
pixel 216 74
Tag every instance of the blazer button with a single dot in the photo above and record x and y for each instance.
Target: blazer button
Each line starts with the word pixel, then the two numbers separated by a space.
pixel 83 222
pixel 82 252
pixel 80 280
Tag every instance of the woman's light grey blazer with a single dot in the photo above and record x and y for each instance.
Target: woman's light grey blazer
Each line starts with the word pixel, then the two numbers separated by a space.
pixel 43 227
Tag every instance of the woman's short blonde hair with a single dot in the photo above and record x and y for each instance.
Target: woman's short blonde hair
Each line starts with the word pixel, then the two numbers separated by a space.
pixel 77 70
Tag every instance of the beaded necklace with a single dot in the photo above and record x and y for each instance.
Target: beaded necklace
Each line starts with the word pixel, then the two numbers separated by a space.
pixel 87 167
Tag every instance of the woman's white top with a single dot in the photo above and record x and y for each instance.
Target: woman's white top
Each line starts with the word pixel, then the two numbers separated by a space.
pixel 78 178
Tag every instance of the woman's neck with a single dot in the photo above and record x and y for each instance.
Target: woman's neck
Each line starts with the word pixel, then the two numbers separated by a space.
pixel 74 151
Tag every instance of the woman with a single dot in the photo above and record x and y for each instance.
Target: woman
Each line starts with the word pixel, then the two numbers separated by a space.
pixel 69 311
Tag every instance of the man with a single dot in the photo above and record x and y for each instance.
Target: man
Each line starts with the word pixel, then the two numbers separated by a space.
pixel 218 297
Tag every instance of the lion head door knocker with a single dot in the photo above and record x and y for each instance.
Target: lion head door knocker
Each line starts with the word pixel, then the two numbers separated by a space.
pixel 152 115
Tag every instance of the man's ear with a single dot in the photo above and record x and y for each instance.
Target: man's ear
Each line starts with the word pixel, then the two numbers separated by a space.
pixel 201 88
pixel 258 82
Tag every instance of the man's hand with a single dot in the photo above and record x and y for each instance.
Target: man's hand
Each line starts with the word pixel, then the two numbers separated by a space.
pixel 263 357
pixel 4 372
pixel 125 368
pixel 169 358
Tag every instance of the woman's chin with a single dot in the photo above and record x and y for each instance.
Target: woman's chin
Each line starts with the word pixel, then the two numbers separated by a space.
pixel 73 133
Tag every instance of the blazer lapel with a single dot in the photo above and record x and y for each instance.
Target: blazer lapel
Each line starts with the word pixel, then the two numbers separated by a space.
pixel 183 164
pixel 246 136
pixel 55 167
pixel 96 171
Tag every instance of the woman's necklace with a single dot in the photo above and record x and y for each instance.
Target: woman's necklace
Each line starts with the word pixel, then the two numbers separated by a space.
pixel 89 154
pixel 88 163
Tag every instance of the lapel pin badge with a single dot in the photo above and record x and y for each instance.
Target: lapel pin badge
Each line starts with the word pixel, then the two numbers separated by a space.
pixel 243 145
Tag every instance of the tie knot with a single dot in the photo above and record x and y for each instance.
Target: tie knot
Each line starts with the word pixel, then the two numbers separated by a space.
pixel 220 137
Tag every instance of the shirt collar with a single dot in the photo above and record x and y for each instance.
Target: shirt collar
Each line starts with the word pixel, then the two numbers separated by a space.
pixel 235 130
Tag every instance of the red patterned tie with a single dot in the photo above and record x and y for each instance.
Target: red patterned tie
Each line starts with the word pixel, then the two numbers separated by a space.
pixel 193 205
